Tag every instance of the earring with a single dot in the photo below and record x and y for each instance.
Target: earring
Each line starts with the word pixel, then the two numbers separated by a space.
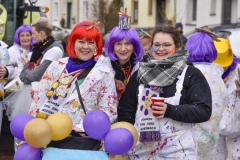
pixel 95 52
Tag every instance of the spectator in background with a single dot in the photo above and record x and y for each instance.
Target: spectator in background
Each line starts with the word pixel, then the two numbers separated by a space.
pixel 45 50
pixel 202 54
pixel 4 60
pixel 21 51
pixel 146 40
pixel 179 27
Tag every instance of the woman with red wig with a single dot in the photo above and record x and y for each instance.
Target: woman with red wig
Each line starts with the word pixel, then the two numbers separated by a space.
pixel 89 68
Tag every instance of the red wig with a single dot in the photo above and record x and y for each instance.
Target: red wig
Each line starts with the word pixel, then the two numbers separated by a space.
pixel 88 31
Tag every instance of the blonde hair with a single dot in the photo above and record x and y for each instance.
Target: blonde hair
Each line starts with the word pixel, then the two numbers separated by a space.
pixel 43 24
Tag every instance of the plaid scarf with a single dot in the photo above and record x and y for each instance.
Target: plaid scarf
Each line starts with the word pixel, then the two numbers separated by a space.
pixel 153 72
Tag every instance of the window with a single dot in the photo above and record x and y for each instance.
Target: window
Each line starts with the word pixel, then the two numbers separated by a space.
pixel 194 10
pixel 85 10
pixel 64 8
pixel 213 8
pixel 135 9
pixel 56 10
pixel 149 7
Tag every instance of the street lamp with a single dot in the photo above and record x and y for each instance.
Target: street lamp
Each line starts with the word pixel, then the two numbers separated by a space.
pixel 33 2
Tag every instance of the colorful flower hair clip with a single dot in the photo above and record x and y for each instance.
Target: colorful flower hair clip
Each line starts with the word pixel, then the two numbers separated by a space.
pixel 208 31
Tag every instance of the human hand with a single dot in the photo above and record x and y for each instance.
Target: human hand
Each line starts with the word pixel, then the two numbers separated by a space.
pixel 32 93
pixel 3 72
pixel 159 108
pixel 79 130
pixel 20 144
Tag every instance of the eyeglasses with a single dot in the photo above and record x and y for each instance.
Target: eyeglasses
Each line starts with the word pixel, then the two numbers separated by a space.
pixel 164 45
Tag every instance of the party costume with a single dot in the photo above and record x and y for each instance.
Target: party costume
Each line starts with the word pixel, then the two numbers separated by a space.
pixel 20 56
pixel 169 137
pixel 202 53
pixel 229 125
pixel 97 90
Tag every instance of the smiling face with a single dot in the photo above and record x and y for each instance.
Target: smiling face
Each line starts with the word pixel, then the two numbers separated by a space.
pixel 163 46
pixel 84 49
pixel 25 39
pixel 123 51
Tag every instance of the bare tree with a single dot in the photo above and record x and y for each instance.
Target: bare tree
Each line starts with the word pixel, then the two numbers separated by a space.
pixel 107 13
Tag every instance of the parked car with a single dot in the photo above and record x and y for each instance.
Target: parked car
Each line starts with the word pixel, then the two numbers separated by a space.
pixel 215 28
pixel 60 33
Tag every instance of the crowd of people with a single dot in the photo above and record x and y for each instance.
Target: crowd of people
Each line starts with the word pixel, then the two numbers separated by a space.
pixel 198 79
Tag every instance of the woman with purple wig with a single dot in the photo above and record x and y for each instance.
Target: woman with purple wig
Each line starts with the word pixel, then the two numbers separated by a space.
pixel 125 50
pixel 230 123
pixel 202 53
pixel 21 51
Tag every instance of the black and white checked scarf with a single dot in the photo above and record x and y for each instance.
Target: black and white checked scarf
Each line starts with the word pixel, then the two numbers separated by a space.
pixel 151 72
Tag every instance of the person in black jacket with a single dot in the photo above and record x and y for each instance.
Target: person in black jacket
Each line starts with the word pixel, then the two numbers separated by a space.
pixel 179 27
pixel 165 73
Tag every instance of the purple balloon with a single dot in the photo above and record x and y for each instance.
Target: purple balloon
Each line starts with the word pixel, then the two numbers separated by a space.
pixel 118 141
pixel 28 152
pixel 17 125
pixel 96 124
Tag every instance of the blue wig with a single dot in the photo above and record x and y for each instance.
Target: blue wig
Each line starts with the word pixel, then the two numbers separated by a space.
pixel 23 28
pixel 201 48
pixel 117 35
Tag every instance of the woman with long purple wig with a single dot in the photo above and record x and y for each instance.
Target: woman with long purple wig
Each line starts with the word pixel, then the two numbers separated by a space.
pixel 21 51
pixel 124 49
pixel 229 124
pixel 202 53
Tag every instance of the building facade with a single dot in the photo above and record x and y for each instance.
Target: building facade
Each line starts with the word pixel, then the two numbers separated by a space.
pixel 198 13
pixel 149 13
pixel 72 11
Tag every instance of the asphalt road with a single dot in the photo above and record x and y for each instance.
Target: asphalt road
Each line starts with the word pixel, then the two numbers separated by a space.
pixel 6 141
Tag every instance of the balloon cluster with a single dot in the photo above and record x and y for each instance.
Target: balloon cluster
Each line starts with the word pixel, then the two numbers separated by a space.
pixel 38 133
pixel 119 138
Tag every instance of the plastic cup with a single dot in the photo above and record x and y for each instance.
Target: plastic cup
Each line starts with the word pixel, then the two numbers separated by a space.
pixel 35 86
pixel 154 100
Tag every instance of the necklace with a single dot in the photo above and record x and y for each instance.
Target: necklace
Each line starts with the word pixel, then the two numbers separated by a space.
pixel 62 85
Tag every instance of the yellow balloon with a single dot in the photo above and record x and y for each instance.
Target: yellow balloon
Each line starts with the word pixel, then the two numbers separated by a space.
pixel 38 133
pixel 129 127
pixel 61 125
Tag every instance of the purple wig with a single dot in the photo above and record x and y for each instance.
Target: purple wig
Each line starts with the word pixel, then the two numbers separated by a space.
pixel 23 28
pixel 201 48
pixel 117 35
